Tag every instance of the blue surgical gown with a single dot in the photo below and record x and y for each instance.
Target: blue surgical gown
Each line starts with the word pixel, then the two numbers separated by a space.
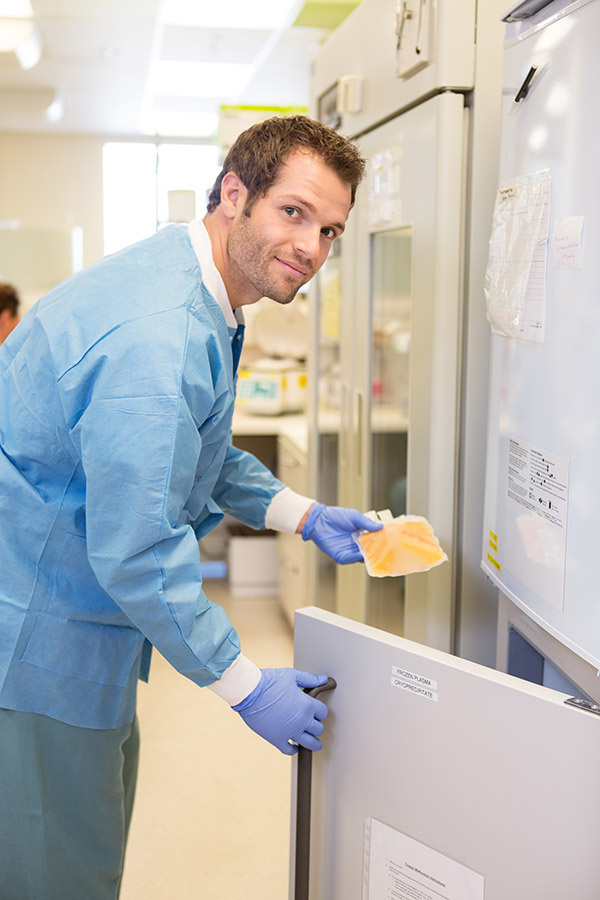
pixel 116 398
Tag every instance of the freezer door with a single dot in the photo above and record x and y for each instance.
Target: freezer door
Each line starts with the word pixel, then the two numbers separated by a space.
pixel 479 769
pixel 542 476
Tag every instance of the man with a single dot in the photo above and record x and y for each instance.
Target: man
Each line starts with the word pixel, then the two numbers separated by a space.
pixel 9 310
pixel 116 398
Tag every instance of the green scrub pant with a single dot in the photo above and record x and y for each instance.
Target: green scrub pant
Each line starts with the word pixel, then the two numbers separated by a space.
pixel 66 797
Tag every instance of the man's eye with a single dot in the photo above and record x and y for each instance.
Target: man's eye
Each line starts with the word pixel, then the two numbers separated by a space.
pixel 328 232
pixel 290 210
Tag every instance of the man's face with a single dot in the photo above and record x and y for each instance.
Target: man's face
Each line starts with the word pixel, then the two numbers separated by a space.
pixel 289 232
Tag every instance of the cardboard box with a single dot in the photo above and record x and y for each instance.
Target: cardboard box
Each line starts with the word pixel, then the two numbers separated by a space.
pixel 253 567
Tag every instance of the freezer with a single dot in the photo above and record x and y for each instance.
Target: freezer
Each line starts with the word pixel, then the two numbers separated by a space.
pixel 444 780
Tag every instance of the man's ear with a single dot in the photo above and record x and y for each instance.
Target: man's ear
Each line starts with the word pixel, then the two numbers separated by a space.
pixel 233 195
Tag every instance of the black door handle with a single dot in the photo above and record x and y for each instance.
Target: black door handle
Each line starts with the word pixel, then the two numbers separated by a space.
pixel 303 804
pixel 524 89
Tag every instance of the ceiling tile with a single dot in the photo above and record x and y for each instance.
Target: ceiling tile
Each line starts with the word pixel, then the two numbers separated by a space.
pixel 207 45
pixel 118 41
pixel 96 9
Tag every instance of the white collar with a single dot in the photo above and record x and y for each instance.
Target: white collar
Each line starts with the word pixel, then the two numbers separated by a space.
pixel 210 274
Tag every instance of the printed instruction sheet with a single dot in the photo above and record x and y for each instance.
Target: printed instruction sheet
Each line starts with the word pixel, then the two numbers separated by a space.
pixel 536 527
pixel 400 868
pixel 515 279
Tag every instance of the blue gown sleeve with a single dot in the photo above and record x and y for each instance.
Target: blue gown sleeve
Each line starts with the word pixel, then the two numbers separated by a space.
pixel 147 439
pixel 245 487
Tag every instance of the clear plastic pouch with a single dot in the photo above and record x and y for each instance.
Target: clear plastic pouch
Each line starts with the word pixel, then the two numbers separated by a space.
pixel 405 544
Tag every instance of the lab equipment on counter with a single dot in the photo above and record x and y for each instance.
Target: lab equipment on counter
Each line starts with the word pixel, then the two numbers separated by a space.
pixel 276 382
pixel 272 386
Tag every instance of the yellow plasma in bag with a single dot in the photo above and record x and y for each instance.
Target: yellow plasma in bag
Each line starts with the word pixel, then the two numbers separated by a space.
pixel 403 546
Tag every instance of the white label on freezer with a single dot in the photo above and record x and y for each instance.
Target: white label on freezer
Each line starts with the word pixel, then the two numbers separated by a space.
pixel 567 243
pixel 536 527
pixel 384 177
pixel 515 279
pixel 416 684
pixel 400 868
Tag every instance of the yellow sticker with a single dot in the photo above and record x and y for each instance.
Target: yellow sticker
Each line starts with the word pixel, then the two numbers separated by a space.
pixel 493 536
pixel 494 562
pixel 493 546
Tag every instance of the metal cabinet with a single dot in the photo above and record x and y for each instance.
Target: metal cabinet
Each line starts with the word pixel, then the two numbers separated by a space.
pixel 384 424
pixel 410 273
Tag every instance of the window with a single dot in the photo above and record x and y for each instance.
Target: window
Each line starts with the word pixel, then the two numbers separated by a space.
pixel 137 179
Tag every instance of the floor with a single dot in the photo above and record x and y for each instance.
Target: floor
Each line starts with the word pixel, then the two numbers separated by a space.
pixel 212 812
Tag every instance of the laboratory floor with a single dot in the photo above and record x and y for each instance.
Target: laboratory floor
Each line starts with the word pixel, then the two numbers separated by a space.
pixel 212 811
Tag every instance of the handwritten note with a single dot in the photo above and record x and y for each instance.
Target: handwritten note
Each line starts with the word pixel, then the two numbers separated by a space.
pixel 567 243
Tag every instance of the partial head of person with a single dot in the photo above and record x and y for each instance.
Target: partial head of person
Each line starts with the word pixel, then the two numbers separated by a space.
pixel 282 198
pixel 9 310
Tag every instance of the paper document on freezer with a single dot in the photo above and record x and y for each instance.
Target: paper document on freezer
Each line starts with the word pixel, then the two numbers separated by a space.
pixel 537 506
pixel 400 868
pixel 404 545
pixel 515 280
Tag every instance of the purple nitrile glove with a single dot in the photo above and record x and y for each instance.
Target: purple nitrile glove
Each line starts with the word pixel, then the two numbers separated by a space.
pixel 331 529
pixel 280 711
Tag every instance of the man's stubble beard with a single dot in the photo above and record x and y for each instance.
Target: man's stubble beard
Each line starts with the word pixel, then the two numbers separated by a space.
pixel 245 254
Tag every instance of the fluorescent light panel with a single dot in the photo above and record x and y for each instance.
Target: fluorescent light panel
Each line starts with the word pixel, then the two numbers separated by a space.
pixel 15 9
pixel 262 14
pixel 199 79
pixel 177 124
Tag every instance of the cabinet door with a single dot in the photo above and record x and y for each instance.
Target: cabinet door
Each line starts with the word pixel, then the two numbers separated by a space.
pixel 403 366
pixel 477 767
pixel 292 553
pixel 330 439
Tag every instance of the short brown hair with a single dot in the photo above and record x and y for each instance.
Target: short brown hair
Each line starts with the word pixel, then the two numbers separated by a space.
pixel 9 298
pixel 258 154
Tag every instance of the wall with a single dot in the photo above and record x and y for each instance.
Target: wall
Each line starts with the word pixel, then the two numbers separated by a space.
pixel 54 181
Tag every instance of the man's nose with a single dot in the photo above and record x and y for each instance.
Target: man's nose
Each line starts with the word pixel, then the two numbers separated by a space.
pixel 308 242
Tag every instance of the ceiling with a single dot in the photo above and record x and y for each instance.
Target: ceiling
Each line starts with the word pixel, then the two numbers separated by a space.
pixel 160 67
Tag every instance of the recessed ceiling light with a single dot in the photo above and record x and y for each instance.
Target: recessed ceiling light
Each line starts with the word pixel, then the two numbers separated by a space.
pixel 55 111
pixel 29 51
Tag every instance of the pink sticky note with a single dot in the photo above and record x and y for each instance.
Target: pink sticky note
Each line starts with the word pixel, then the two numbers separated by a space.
pixel 567 243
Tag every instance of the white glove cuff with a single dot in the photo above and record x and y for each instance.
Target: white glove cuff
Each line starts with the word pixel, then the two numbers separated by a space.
pixel 237 681
pixel 286 509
